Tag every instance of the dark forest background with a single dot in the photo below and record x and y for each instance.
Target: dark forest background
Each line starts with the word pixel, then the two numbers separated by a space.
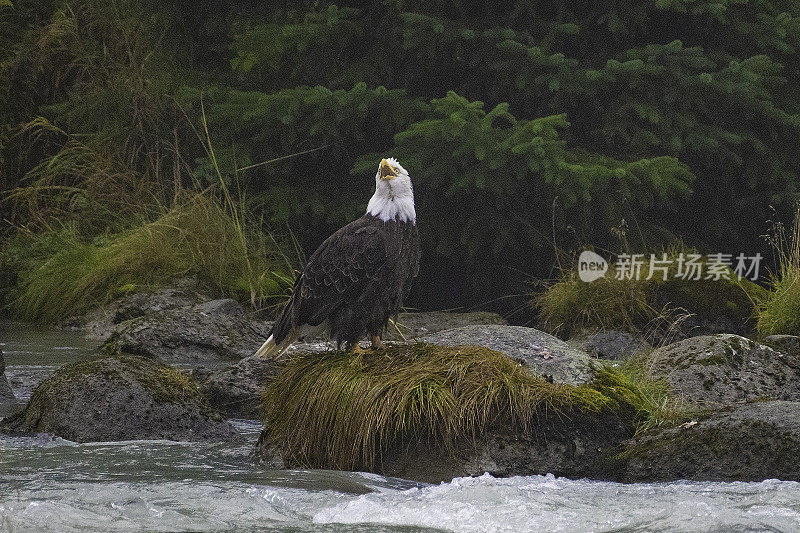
pixel 527 127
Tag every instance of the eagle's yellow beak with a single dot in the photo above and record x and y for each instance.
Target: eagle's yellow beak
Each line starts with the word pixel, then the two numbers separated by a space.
pixel 387 172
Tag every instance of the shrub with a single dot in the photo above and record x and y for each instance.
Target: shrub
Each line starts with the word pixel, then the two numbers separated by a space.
pixel 635 305
pixel 197 237
pixel 779 310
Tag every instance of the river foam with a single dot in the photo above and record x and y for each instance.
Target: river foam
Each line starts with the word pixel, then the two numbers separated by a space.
pixel 547 503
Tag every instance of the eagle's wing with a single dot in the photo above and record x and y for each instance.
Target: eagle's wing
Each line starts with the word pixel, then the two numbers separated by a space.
pixel 414 257
pixel 339 271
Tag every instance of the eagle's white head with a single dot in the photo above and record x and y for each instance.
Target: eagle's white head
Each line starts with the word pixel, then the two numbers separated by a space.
pixel 394 195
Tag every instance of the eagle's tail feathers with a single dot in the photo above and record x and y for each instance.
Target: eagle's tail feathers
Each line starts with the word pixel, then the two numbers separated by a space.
pixel 271 349
pixel 268 348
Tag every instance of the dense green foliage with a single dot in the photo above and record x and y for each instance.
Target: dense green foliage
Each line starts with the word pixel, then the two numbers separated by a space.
pixel 521 123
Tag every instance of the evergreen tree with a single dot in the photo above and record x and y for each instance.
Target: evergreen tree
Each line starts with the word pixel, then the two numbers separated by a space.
pixel 520 122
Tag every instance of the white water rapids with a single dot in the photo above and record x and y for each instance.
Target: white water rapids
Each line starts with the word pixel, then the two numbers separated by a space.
pixel 49 484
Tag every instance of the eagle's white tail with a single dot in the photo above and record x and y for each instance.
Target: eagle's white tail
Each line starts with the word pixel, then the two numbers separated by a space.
pixel 270 349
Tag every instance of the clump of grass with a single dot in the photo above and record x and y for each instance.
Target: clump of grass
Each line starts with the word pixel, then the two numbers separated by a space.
pixel 196 237
pixel 341 411
pixel 779 309
pixel 607 303
pixel 640 305
pixel 78 182
pixel 631 383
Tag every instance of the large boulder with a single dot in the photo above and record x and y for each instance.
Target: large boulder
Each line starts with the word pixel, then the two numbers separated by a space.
pixel 577 446
pixel 8 402
pixel 430 413
pixel 420 324
pixel 124 397
pixel 206 333
pixel 539 351
pixel 235 391
pixel 101 322
pixel 609 344
pixel 751 442
pixel 411 326
pixel 723 369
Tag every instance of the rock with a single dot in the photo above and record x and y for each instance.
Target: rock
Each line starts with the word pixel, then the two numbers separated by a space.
pixel 224 306
pixel 205 333
pixel 124 397
pixel 788 344
pixel 8 402
pixel 542 353
pixel 419 324
pixel 430 413
pixel 723 369
pixel 751 442
pixel 609 344
pixel 414 325
pixel 100 323
pixel 236 391
pixel 411 325
pixel 707 307
pixel 574 447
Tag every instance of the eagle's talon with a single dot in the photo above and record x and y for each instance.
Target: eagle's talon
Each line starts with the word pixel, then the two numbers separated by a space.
pixel 355 349
pixel 377 344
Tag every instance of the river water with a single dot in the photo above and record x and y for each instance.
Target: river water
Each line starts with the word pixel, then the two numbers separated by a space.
pixel 50 484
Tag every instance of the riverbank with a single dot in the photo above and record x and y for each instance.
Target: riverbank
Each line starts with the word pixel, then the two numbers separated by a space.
pixel 666 403
pixel 213 485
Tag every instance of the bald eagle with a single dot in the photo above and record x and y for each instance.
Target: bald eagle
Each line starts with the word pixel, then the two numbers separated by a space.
pixel 358 277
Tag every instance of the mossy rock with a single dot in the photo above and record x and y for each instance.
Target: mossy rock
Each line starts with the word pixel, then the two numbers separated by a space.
pixel 101 323
pixel 205 333
pixel 123 397
pixel 752 442
pixel 667 309
pixel 723 369
pixel 432 412
pixel 541 352
pixel 575 446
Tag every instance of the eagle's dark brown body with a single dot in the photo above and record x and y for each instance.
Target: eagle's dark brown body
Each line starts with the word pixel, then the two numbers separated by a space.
pixel 354 282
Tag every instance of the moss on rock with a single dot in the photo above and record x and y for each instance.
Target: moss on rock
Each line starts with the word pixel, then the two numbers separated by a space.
pixel 722 369
pixel 119 398
pixel 368 412
pixel 724 305
pixel 752 442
